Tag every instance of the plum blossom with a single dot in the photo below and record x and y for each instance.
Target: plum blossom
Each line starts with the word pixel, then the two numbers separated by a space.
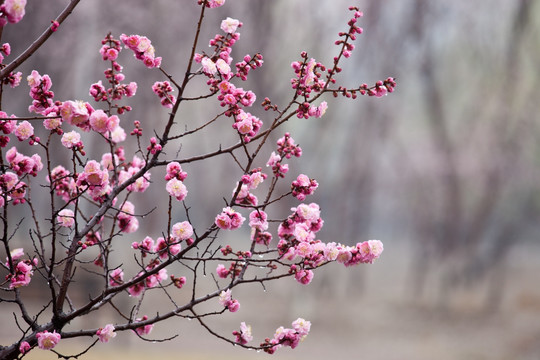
pixel 100 122
pixel 222 271
pixel 301 326
pixel 94 178
pixel 258 220
pixel 226 300
pixel 116 277
pixel 244 335
pixel 24 347
pixel 208 66
pixel 177 189
pixel 164 248
pixel 304 276
pixel 126 221
pixel 223 67
pixel 71 139
pixel 145 329
pixel 53 122
pixel 23 273
pixel 229 219
pixel 142 48
pixel 213 3
pixel 66 218
pixel 14 10
pixel 163 90
pixel 182 231
pixel 174 170
pixel 117 135
pixel 106 333
pixel 24 131
pixel 230 25
pixel 47 340
pixel 76 113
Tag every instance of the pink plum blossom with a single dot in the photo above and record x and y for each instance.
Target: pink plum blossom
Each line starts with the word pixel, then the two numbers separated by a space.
pixel 213 3
pixel 164 248
pixel 24 131
pixel 208 66
pixel 14 10
pixel 16 254
pixel 229 219
pixel 177 189
pixel 24 347
pixel 301 326
pixel 106 333
pixel 116 277
pixel 75 113
pixel 66 218
pixel 227 301
pixel 230 25
pixel 145 329
pixel 117 135
pixel 304 276
pixel 100 122
pixel 126 221
pixel 258 220
pixel 244 335
pixel 182 231
pixel 174 170
pixel 23 274
pixel 222 271
pixel 71 139
pixel 47 340
pixel 53 122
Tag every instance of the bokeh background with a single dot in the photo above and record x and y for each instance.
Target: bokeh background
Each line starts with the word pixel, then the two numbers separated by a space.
pixel 445 171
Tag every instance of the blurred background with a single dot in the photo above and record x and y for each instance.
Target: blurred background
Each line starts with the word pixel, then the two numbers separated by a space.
pixel 445 171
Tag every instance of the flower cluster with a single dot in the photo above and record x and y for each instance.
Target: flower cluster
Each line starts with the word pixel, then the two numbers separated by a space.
pixel 127 222
pixel 12 79
pixel 23 164
pixel 163 90
pixel 175 177
pixel 287 336
pixel 22 272
pixel 142 48
pixel 103 124
pixel 229 219
pixel 218 70
pixel 130 169
pixel 149 281
pixel 308 76
pixel 226 300
pixel 285 150
pixel 63 183
pixel 244 335
pixel 76 113
pixel 94 180
pixel 362 253
pixel 40 92
pixel 11 188
pixel 303 186
pixel 6 127
pixel 117 90
pixel 249 182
